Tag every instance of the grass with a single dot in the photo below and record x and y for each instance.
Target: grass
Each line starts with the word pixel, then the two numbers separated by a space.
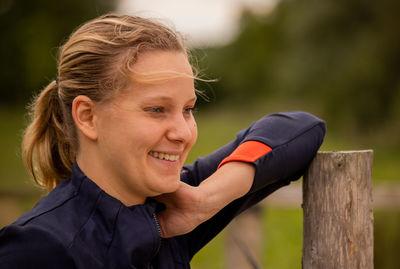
pixel 12 171
pixel 282 242
pixel 283 230
pixel 387 239
pixel 212 255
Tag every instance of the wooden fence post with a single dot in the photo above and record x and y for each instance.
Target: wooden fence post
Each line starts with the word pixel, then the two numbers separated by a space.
pixel 337 209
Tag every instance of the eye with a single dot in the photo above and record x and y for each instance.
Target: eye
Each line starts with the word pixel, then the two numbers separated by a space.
pixel 155 110
pixel 190 110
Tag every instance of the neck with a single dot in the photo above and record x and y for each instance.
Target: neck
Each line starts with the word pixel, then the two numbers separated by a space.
pixel 93 169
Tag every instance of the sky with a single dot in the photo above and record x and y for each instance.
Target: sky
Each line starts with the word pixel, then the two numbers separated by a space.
pixel 205 22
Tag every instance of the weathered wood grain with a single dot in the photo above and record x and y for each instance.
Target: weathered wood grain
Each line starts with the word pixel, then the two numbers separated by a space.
pixel 337 211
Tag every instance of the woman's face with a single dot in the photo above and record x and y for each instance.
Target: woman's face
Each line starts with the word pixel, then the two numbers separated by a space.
pixel 146 132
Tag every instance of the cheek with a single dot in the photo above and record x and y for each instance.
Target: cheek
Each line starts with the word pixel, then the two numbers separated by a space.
pixel 146 135
pixel 194 132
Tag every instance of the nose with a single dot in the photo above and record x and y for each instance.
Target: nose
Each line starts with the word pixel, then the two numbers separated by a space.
pixel 181 129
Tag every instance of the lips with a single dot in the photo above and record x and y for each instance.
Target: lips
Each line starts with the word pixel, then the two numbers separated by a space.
pixel 164 156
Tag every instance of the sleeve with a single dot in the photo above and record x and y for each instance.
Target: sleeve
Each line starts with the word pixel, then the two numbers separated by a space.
pixel 280 146
pixel 30 247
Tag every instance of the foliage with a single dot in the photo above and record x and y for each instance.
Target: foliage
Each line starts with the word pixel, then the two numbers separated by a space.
pixel 31 32
pixel 343 56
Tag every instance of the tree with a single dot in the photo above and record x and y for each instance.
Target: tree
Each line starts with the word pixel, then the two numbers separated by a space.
pixel 342 55
pixel 31 33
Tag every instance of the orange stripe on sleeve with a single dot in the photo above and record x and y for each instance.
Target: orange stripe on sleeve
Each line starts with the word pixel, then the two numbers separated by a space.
pixel 249 151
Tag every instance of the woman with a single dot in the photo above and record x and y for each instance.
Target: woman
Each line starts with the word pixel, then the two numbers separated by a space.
pixel 109 138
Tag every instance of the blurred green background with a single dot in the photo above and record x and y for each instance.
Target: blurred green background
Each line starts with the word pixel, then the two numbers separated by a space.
pixel 339 60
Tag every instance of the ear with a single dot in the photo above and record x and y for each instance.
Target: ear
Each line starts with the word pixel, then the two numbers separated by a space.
pixel 83 112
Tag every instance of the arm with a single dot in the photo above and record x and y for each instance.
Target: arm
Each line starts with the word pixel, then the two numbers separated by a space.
pixel 278 146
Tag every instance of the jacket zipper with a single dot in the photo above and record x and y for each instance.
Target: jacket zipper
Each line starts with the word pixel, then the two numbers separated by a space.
pixel 158 230
pixel 157 224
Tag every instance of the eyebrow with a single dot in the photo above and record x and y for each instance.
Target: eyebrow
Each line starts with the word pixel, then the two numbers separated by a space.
pixel 166 98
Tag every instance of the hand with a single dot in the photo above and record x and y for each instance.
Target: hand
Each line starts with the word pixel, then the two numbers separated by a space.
pixel 189 206
pixel 183 212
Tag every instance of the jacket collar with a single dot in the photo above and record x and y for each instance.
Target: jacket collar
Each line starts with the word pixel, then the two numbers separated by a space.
pixel 129 235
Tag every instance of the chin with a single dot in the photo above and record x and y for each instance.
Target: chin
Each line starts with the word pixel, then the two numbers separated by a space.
pixel 160 184
pixel 170 184
pixel 172 187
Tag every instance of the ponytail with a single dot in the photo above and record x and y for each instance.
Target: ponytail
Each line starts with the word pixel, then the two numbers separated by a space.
pixel 46 151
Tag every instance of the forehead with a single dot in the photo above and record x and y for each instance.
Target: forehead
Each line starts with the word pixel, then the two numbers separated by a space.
pixel 162 76
pixel 158 61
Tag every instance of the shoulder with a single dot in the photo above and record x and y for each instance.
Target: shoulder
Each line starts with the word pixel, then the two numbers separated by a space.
pixel 32 247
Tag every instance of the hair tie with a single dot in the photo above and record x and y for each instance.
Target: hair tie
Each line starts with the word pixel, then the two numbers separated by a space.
pixel 57 80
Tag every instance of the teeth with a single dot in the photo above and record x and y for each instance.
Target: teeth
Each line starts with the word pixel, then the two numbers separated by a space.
pixel 164 156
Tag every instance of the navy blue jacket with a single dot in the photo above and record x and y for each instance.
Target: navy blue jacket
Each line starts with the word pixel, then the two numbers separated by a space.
pixel 78 225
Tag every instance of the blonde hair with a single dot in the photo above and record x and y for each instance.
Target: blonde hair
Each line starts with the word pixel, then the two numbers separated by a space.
pixel 96 61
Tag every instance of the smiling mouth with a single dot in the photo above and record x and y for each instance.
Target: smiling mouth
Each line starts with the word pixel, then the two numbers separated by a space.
pixel 164 156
